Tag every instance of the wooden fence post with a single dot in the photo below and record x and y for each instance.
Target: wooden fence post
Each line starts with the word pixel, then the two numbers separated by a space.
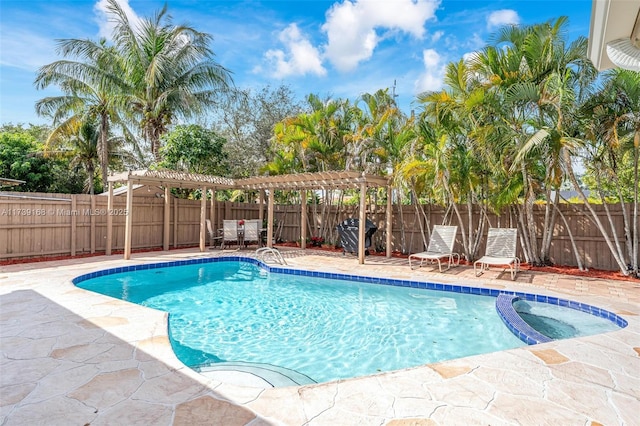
pixel 166 219
pixel 129 221
pixel 92 218
pixel 74 223
pixel 109 220
pixel 175 222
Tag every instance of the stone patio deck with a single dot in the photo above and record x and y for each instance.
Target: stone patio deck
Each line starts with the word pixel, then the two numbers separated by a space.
pixel 70 356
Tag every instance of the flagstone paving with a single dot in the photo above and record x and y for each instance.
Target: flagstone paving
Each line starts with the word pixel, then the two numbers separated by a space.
pixel 73 357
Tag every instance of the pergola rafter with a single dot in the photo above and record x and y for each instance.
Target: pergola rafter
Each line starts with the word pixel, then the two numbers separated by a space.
pixel 313 181
pixel 303 182
pixel 173 179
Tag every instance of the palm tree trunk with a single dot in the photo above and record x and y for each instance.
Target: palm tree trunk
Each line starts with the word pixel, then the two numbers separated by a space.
pixel 576 186
pixel 531 222
pixel 573 241
pixel 419 215
pixel 524 235
pixel 403 237
pixel 616 240
pixel 104 148
pixel 90 172
pixel 549 225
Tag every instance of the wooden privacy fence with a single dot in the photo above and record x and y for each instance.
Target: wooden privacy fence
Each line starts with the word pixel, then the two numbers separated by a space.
pixel 38 225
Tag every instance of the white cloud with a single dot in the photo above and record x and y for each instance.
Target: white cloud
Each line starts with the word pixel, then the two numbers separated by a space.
pixel 502 17
pixel 25 50
pixel 433 75
pixel 470 56
pixel 299 57
pixel 437 36
pixel 104 21
pixel 351 26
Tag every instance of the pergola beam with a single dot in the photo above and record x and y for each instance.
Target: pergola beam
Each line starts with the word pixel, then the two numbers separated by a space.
pixel 128 222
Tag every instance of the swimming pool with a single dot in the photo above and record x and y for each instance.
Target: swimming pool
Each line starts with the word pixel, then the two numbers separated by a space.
pixel 307 326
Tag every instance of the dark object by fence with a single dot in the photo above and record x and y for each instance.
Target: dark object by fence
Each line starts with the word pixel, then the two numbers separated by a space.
pixel 348 231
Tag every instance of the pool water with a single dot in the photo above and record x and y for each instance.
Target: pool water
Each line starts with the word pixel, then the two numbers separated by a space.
pixel 557 322
pixel 324 329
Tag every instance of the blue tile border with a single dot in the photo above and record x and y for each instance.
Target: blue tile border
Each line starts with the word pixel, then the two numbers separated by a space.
pixel 513 321
pixel 504 299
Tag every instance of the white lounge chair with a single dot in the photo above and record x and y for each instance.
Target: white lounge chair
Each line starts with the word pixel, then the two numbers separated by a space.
pixel 229 232
pixel 500 251
pixel 440 247
pixel 252 231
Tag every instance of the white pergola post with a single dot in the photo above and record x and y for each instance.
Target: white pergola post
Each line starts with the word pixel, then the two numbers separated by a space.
pixel 175 222
pixel 109 220
pixel 166 219
pixel 270 220
pixel 261 205
pixel 93 225
pixel 362 224
pixel 129 221
pixel 203 218
pixel 212 213
pixel 74 224
pixel 303 219
pixel 389 221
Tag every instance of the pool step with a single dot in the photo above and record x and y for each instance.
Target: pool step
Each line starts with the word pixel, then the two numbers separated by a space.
pixel 254 374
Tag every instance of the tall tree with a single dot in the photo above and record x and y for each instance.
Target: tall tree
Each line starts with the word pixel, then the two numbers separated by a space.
pixel 169 69
pixel 192 148
pixel 538 78
pixel 611 118
pixel 80 143
pixel 248 122
pixel 92 85
pixel 22 158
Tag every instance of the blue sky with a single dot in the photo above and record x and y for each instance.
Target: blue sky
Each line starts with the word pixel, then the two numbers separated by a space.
pixel 337 48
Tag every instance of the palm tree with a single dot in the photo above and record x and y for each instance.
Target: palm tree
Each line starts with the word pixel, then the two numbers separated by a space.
pixel 169 69
pixel 451 129
pixel 539 79
pixel 92 86
pixel 79 142
pixel 612 119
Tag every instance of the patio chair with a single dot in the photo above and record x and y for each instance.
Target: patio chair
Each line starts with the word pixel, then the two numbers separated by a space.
pixel 212 235
pixel 252 231
pixel 440 247
pixel 229 233
pixel 500 251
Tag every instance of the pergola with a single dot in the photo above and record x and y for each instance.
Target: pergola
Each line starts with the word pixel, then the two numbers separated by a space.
pixel 302 182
